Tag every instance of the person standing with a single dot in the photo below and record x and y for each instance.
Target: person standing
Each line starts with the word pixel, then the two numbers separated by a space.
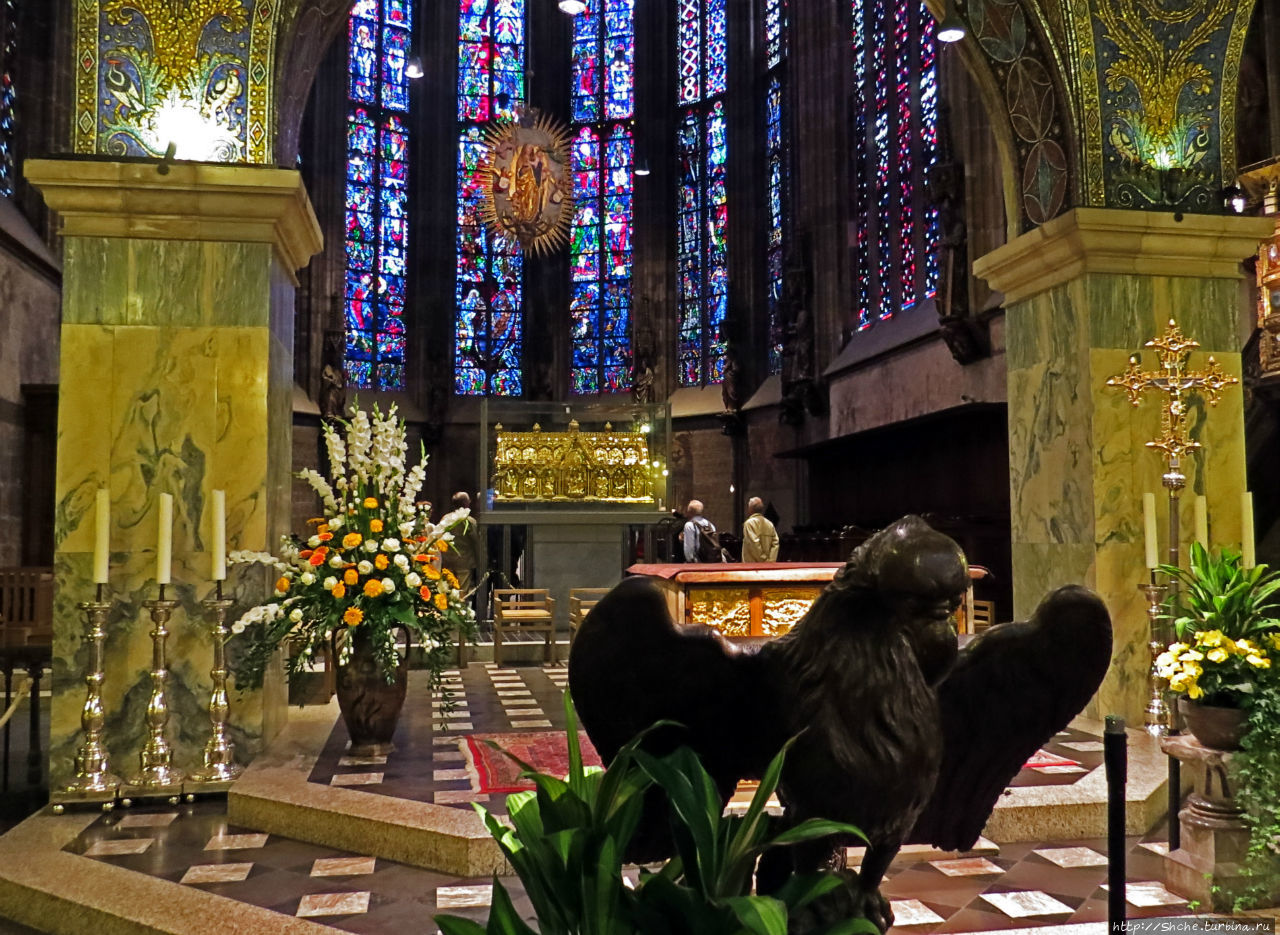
pixel 759 538
pixel 464 550
pixel 701 542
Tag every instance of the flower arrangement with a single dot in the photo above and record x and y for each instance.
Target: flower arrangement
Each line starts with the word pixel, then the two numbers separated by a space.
pixel 1225 626
pixel 371 566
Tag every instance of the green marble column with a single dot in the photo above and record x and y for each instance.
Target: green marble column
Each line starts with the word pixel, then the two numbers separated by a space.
pixel 177 372
pixel 1082 294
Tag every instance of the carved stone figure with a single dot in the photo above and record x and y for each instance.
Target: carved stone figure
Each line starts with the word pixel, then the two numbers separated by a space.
pixel 642 376
pixel 333 378
pixel 896 731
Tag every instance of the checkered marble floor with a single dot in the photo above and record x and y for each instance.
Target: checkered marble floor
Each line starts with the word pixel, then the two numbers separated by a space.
pixel 1014 886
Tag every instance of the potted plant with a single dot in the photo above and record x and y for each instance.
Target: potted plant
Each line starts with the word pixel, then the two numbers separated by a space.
pixel 566 842
pixel 368 574
pixel 1226 631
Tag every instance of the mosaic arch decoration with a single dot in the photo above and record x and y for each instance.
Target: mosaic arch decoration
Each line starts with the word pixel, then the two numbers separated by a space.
pixel 895 148
pixel 1162 76
pixel 377 192
pixel 488 327
pixel 702 216
pixel 603 156
pixel 196 73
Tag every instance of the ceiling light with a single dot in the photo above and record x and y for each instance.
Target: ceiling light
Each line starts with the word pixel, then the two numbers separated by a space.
pixel 414 68
pixel 573 7
pixel 951 28
pixel 642 167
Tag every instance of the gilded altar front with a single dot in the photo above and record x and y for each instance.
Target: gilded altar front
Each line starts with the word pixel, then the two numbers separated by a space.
pixel 573 465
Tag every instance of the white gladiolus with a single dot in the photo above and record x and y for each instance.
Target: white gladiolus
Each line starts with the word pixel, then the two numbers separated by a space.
pixel 406 530
pixel 330 583
pixel 388 585
pixel 413 579
pixel 237 627
pixel 365 568
pixel 296 616
pixel 336 522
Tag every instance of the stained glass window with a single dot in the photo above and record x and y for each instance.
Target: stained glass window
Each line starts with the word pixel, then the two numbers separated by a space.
pixel 488 335
pixel 776 163
pixel 702 251
pixel 895 149
pixel 602 159
pixel 8 47
pixel 377 223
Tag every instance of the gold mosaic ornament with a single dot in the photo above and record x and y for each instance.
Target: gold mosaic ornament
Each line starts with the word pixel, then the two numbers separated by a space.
pixel 529 191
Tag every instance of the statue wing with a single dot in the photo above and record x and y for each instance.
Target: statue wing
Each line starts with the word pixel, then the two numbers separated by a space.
pixel 1010 691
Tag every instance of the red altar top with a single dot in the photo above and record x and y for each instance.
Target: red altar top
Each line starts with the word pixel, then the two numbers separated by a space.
pixel 738 571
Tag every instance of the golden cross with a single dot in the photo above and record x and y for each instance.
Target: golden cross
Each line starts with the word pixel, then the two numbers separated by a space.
pixel 1173 349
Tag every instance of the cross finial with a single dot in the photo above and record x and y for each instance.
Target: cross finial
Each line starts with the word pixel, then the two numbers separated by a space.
pixel 1173 350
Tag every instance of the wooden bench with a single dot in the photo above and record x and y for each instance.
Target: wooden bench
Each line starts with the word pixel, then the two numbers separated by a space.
pixel 523 610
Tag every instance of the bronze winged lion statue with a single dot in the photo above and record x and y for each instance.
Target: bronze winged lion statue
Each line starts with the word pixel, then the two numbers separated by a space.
pixel 898 731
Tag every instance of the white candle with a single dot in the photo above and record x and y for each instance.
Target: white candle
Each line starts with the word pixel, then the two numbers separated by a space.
pixel 1202 521
pixel 1149 527
pixel 1248 558
pixel 219 535
pixel 164 543
pixel 102 536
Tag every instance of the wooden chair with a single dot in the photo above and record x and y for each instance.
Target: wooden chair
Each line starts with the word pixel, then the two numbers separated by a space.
pixel 523 610
pixel 581 600
pixel 984 615
pixel 26 606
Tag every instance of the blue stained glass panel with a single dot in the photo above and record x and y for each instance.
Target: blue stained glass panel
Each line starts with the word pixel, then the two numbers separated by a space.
pixel 362 60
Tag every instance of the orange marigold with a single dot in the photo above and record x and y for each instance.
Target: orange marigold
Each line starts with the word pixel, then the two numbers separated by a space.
pixel 442 602
pixel 305 553
pixel 282 583
pixel 381 562
pixel 351 576
pixel 351 540
pixel 370 503
pixel 375 525
pixel 325 536
pixel 451 578
pixel 443 545
pixel 322 529
pixel 352 615
pixel 422 558
pixel 317 557
pixel 373 588
pixel 339 590
pixel 425 592
pixel 431 571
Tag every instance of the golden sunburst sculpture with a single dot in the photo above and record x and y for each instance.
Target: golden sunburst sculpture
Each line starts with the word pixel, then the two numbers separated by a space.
pixel 529 189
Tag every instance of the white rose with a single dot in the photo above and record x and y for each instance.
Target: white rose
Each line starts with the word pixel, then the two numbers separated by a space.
pixel 336 522
pixel 391 545
pixel 370 545
pixel 314 542
pixel 296 616
pixel 365 568
pixel 336 562
pixel 388 585
pixel 402 561
pixel 413 579
pixel 330 583
pixel 307 578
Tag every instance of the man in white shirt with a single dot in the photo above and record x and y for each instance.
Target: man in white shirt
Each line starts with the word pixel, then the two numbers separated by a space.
pixel 759 538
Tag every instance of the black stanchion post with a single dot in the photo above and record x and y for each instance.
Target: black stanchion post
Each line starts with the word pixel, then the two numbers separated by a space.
pixel 1115 758
pixel 1175 803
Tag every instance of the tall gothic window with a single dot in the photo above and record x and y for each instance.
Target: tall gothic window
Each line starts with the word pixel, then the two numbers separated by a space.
pixel 895 149
pixel 487 333
pixel 602 156
pixel 776 158
pixel 377 192
pixel 8 48
pixel 702 212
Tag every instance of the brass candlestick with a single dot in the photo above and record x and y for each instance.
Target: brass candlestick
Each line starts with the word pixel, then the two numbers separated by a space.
pixel 219 753
pixel 93 779
pixel 157 772
pixel 1158 718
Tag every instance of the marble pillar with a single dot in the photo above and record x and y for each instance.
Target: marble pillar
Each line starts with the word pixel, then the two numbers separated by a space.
pixel 1081 294
pixel 177 372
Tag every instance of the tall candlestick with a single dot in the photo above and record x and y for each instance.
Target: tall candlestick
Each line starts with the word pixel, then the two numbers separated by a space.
pixel 219 535
pixel 1149 527
pixel 1202 521
pixel 164 544
pixel 102 536
pixel 1248 557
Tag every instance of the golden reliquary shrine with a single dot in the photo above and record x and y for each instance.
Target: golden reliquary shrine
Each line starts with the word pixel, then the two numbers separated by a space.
pixel 740 601
pixel 591 467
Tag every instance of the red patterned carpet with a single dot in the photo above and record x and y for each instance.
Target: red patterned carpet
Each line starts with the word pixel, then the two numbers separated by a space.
pixel 546 751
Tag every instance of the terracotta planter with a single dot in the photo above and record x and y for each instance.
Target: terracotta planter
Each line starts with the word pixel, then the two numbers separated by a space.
pixel 370 707
pixel 1214 726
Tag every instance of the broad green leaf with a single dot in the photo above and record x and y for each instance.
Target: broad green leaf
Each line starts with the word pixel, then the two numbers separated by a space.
pixel 857 926
pixel 812 828
pixel 763 915
pixel 504 914
pixel 800 889
pixel 456 925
